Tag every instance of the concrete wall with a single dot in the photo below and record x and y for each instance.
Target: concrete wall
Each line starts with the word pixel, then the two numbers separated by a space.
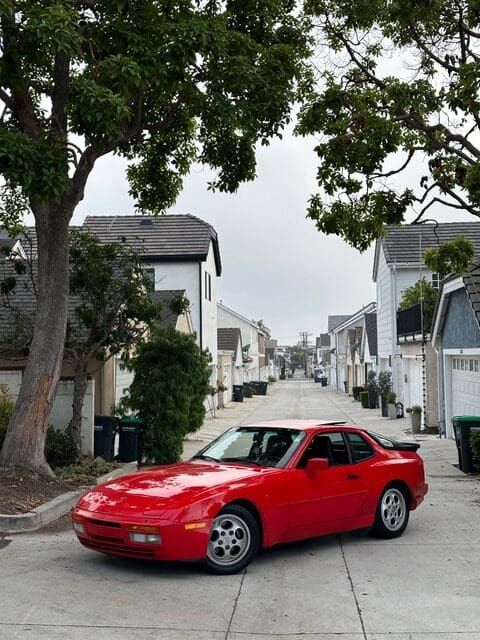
pixel 61 412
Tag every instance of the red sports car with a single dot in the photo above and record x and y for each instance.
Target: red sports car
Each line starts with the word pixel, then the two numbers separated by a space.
pixel 253 487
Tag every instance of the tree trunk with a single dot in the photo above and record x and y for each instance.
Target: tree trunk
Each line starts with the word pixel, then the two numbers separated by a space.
pixel 80 382
pixel 25 439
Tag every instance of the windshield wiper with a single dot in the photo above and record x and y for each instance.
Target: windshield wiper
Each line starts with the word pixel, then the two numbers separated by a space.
pixel 200 456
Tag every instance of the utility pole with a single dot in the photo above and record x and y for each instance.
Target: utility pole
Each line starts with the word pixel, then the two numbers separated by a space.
pixel 304 342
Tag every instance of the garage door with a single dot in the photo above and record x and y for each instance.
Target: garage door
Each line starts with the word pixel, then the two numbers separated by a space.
pixel 123 379
pixel 465 386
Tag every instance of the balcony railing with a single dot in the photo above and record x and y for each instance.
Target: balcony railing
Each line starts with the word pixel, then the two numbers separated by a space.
pixel 409 321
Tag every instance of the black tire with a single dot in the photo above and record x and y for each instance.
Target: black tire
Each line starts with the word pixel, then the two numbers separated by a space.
pixel 393 511
pixel 234 540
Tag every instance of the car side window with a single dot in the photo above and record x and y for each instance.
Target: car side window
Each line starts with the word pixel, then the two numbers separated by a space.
pixel 359 447
pixel 326 445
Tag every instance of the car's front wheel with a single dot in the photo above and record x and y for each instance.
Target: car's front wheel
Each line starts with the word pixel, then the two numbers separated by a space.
pixel 392 513
pixel 234 540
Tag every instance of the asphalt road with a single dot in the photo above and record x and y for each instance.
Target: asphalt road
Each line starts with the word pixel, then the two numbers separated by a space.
pixel 422 586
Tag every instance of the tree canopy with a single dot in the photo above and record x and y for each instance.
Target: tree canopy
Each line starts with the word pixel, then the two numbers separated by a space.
pixel 160 83
pixel 399 91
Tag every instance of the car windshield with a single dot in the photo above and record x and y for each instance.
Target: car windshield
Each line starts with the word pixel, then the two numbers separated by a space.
pixel 259 446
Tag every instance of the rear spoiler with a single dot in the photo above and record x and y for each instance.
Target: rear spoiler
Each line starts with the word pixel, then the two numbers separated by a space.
pixel 405 446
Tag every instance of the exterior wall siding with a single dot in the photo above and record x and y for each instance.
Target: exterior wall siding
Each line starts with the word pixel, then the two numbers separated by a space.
pixel 181 275
pixel 384 308
pixel 460 329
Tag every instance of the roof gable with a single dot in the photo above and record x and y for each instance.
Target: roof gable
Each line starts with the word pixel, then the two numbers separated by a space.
pixel 167 237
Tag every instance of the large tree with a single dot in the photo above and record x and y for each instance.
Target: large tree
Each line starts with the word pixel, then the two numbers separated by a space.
pixel 400 96
pixel 160 82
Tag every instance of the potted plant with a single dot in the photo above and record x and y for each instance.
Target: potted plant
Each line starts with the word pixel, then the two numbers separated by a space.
pixel 416 415
pixel 391 406
pixel 363 395
pixel 372 388
pixel 384 387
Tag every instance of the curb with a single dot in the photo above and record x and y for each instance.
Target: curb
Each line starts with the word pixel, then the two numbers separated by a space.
pixel 55 508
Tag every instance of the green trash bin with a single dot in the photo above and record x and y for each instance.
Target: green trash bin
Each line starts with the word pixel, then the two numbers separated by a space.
pixel 130 443
pixel 463 427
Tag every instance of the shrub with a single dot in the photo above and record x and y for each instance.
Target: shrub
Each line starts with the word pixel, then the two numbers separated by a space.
pixel 391 397
pixel 364 399
pixel 6 405
pixel 272 379
pixel 60 448
pixel 384 382
pixel 372 381
pixel 475 444
pixel 415 409
pixel 356 392
pixel 168 391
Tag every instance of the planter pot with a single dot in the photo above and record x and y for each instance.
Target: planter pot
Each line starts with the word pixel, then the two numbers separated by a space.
pixel 372 399
pixel 383 404
pixel 392 411
pixel 416 422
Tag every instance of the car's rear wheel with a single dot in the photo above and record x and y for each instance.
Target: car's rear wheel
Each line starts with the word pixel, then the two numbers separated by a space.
pixel 234 540
pixel 392 513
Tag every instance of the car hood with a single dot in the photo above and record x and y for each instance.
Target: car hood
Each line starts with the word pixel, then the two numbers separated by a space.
pixel 155 490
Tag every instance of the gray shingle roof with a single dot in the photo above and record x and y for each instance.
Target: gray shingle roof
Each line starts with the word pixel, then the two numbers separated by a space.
pixel 402 242
pixel 472 285
pixel 334 321
pixel 163 298
pixel 228 339
pixel 323 340
pixel 168 237
pixel 371 329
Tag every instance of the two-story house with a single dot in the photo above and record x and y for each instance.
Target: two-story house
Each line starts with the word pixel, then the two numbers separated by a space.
pixel 179 252
pixel 253 341
pixel 403 339
pixel 348 339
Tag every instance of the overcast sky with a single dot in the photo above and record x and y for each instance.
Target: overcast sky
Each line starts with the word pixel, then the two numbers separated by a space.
pixel 276 266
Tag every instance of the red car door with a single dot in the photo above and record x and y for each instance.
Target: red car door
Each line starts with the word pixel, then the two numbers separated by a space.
pixel 328 500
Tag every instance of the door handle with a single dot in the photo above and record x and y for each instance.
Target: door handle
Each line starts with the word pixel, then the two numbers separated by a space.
pixel 352 476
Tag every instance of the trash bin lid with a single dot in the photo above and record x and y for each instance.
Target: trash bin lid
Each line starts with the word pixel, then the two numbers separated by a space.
pixel 466 419
pixel 132 420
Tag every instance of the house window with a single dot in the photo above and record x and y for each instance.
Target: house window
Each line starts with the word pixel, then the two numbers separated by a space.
pixel 149 276
pixel 462 364
pixel 471 365
pixel 208 286
pixel 435 280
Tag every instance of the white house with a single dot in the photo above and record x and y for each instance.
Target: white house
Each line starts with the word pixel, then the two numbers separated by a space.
pixel 253 341
pixel 348 339
pixel 179 252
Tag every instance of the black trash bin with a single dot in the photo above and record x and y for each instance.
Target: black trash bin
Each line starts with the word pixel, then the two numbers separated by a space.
pixel 238 392
pixel 260 387
pixel 247 390
pixel 104 430
pixel 130 445
pixel 463 426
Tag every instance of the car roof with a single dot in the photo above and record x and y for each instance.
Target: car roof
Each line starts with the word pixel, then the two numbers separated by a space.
pixel 294 423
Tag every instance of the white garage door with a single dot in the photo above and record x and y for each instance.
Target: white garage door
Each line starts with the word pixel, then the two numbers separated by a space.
pixel 123 379
pixel 465 386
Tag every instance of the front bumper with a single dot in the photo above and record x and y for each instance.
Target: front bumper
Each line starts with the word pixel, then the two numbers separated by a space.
pixel 111 535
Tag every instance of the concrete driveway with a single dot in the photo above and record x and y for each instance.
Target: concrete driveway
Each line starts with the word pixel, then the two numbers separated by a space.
pixel 422 586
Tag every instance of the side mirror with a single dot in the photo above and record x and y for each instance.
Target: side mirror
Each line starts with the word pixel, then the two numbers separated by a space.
pixel 315 465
